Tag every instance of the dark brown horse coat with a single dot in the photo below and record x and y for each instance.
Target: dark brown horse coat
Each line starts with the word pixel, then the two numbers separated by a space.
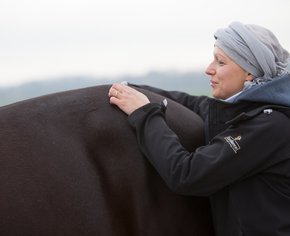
pixel 70 165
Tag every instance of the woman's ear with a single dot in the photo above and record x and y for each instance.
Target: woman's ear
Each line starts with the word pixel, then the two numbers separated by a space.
pixel 249 77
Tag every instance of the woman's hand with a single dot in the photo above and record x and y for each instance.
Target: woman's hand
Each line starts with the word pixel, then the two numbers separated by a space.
pixel 127 98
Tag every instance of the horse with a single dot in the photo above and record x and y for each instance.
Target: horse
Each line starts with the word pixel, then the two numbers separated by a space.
pixel 70 166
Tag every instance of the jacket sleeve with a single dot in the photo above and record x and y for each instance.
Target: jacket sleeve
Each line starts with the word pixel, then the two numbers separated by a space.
pixel 194 103
pixel 230 156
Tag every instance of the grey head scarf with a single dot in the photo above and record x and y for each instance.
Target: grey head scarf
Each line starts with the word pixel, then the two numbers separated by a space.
pixel 255 49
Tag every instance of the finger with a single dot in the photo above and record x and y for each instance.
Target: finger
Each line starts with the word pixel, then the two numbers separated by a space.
pixel 110 93
pixel 121 87
pixel 113 100
pixel 113 92
pixel 116 89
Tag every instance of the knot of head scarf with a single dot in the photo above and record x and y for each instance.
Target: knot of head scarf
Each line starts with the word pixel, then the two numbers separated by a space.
pixel 255 49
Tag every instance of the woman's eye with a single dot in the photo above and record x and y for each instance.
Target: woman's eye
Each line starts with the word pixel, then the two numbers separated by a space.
pixel 219 61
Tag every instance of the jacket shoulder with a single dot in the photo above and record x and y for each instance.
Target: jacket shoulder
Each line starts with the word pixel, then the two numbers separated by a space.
pixel 266 109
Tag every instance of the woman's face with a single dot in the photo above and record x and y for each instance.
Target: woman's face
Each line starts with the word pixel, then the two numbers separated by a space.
pixel 227 78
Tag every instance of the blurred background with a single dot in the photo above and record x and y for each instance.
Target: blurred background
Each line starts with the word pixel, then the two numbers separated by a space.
pixel 54 45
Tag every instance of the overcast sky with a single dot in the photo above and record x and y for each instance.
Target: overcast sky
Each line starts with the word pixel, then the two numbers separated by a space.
pixel 41 39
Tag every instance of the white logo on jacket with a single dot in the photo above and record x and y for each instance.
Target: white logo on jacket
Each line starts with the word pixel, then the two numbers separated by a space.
pixel 233 142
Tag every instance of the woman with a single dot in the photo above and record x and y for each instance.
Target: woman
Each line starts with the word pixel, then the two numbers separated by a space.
pixel 245 167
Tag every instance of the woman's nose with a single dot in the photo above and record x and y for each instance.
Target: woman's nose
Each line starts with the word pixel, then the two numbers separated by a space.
pixel 210 70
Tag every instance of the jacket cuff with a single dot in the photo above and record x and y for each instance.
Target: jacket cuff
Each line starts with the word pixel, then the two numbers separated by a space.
pixel 143 112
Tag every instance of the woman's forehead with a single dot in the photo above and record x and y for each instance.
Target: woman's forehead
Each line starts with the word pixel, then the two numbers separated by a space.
pixel 219 52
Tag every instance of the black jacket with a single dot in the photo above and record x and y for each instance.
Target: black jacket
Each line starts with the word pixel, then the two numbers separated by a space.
pixel 244 169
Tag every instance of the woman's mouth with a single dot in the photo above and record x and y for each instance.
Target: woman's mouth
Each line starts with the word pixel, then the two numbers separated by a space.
pixel 213 83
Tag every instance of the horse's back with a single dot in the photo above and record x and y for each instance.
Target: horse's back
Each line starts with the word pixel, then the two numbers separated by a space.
pixel 70 165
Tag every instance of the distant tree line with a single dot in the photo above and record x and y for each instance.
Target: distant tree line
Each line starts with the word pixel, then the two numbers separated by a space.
pixel 192 82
